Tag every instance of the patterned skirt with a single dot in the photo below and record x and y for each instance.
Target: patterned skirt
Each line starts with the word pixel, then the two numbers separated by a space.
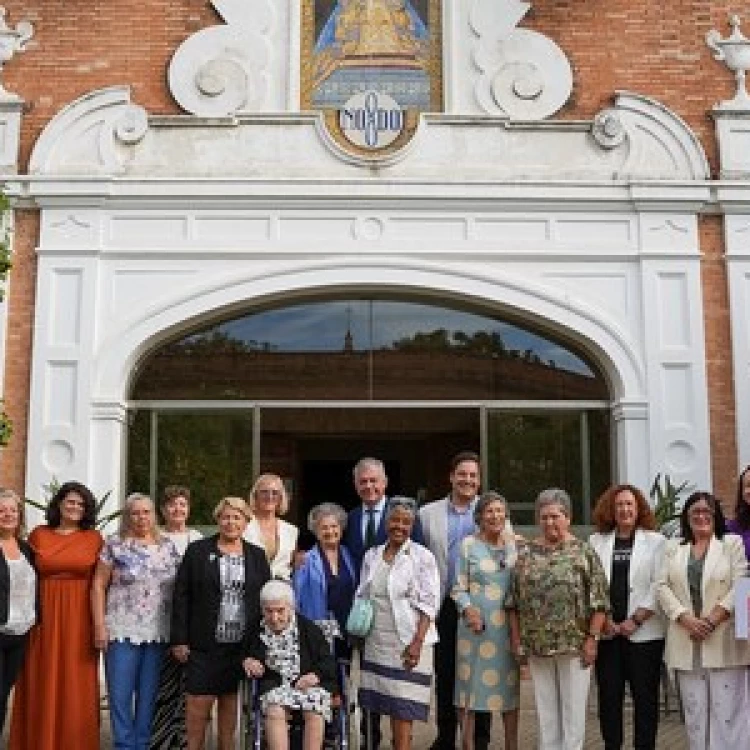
pixel 168 724
pixel 316 699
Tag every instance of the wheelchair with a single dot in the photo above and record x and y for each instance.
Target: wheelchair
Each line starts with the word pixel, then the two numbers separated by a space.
pixel 342 733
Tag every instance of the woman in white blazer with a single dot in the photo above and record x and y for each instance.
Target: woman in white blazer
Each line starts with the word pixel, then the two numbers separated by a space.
pixel 400 579
pixel 633 645
pixel 696 591
pixel 268 500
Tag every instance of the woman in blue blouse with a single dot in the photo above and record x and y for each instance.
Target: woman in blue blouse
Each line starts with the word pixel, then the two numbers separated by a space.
pixel 324 584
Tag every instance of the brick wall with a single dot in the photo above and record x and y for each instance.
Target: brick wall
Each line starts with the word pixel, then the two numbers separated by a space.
pixel 652 48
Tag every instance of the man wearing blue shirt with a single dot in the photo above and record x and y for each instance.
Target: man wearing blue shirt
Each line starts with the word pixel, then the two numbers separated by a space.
pixel 445 523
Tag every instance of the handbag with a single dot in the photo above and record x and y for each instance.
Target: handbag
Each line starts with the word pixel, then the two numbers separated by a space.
pixel 359 622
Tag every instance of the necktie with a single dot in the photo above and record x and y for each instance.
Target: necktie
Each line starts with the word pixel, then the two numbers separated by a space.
pixel 370 529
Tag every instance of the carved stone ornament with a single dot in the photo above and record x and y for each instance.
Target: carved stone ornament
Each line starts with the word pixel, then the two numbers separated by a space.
pixel 643 136
pixel 12 41
pixel 92 134
pixel 524 75
pixel 734 52
pixel 608 130
pixel 224 69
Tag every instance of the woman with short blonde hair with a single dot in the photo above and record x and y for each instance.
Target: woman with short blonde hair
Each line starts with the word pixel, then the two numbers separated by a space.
pixel 236 503
pixel 215 620
pixel 269 500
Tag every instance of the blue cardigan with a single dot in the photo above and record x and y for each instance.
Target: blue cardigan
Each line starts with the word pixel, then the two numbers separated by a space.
pixel 309 583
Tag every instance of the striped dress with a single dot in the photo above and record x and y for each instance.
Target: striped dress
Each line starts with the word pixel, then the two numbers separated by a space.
pixel 386 687
pixel 168 725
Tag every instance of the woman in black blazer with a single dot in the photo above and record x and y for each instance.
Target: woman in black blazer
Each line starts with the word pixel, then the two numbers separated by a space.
pixel 18 594
pixel 215 620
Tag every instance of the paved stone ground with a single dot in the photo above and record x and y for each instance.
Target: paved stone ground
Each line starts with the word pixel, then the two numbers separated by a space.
pixel 671 733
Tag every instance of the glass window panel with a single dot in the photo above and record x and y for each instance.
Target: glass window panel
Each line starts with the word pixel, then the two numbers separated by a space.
pixel 209 452
pixel 139 451
pixel 528 452
pixel 368 350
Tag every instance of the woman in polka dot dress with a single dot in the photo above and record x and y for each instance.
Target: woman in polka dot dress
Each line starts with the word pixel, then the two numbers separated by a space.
pixel 487 675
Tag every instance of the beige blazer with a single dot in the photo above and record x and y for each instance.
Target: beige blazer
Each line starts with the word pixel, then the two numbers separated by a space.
pixel 281 565
pixel 724 564
pixel 645 562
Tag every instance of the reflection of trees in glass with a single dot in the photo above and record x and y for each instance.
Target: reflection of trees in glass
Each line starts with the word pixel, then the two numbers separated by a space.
pixel 219 342
pixel 479 342
pixel 402 349
pixel 139 452
pixel 209 453
pixel 529 452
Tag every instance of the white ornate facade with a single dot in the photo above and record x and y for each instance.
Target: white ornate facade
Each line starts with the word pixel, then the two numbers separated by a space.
pixel 150 223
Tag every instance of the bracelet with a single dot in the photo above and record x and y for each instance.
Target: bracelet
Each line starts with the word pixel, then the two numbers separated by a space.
pixel 636 621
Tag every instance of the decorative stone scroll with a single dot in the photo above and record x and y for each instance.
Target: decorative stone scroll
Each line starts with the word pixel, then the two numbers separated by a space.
pixel 524 75
pixel 225 69
pixel 12 41
pixel 90 134
pixel 11 105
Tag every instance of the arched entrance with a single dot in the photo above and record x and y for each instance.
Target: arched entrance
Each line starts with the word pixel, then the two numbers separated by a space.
pixel 306 388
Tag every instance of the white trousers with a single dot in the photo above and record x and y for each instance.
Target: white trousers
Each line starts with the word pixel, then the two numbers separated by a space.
pixel 717 711
pixel 561 690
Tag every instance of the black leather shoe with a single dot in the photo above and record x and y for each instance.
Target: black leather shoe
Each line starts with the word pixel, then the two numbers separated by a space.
pixel 441 744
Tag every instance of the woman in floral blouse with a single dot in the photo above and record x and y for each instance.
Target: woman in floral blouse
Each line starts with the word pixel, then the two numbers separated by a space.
pixel 559 592
pixel 131 604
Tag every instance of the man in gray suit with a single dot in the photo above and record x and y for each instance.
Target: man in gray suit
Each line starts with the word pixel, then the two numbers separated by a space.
pixel 445 523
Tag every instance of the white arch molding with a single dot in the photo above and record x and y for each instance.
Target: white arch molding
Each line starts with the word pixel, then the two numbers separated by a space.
pixel 113 367
pixel 608 345
pixel 590 230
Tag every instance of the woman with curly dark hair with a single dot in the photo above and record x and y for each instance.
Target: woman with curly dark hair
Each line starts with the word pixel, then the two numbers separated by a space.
pixel 740 524
pixel 56 702
pixel 633 644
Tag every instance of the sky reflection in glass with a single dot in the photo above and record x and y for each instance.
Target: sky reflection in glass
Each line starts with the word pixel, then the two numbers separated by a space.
pixel 380 324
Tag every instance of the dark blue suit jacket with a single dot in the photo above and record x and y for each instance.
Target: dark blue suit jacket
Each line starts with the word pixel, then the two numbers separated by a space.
pixel 356 544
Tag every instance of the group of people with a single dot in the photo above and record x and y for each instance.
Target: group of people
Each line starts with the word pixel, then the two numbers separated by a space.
pixel 451 596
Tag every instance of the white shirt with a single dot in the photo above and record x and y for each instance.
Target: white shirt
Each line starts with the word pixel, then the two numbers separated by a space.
pixel 22 598
pixel 377 513
pixel 181 539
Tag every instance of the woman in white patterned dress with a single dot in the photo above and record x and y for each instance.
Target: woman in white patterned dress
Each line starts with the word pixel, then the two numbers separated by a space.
pixel 401 580
pixel 296 669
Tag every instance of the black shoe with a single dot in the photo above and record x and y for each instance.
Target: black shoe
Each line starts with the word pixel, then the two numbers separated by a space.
pixel 441 744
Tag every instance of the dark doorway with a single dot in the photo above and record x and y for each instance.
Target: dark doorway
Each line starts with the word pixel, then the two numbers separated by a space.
pixel 331 480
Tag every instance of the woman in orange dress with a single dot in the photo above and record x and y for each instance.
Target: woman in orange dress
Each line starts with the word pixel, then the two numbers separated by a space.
pixel 56 703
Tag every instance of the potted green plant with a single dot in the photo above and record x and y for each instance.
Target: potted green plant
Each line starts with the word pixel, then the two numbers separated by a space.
pixel 54 485
pixel 667 505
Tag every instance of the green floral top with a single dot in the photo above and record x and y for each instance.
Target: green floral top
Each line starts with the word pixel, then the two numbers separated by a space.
pixel 555 592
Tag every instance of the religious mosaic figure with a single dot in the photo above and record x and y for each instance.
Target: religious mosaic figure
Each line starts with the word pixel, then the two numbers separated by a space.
pixel 381 44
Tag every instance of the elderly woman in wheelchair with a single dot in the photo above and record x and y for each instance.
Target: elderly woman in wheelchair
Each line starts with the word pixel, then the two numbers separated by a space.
pixel 295 669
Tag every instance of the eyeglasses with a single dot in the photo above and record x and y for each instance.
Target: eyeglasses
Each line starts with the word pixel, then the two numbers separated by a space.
pixel 268 493
pixel 705 512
